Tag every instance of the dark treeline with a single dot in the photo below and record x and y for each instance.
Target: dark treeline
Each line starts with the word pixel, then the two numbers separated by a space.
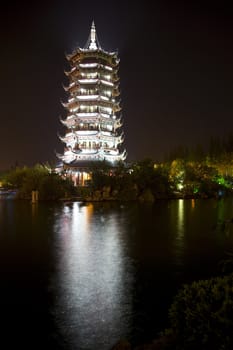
pixel 41 178
pixel 186 173
pixel 217 147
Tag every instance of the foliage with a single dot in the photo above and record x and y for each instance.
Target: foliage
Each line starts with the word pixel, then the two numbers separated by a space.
pixel 178 178
pixel 50 185
pixel 201 315
pixel 144 180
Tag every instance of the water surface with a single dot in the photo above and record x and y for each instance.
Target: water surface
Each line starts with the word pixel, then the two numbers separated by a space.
pixel 83 276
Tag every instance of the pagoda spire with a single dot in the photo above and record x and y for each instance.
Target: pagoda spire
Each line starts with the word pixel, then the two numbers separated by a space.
pixel 93 37
pixel 92 42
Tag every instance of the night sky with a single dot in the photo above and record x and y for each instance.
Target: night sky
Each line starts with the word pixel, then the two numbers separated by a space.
pixel 176 72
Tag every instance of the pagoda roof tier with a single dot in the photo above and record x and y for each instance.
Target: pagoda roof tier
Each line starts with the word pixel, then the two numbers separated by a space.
pixel 91 81
pixel 82 164
pixel 111 151
pixel 92 66
pixel 114 157
pixel 88 97
pixel 85 83
pixel 81 54
pixel 67 137
pixel 70 105
pixel 93 116
pixel 96 135
pixel 99 71
pixel 91 57
pixel 60 156
pixel 116 92
pixel 118 123
pixel 74 104
pixel 96 90
pixel 71 88
pixel 99 102
pixel 68 122
pixel 99 90
pixel 107 133
pixel 96 66
pixel 98 118
pixel 67 73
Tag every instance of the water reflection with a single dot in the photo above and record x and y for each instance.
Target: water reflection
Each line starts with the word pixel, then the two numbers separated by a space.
pixel 103 270
pixel 94 278
pixel 180 230
pixel 193 203
pixel 180 221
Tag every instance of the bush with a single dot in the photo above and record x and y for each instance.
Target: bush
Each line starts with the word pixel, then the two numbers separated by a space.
pixel 51 186
pixel 202 315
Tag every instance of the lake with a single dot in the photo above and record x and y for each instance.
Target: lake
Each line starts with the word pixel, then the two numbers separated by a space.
pixel 84 275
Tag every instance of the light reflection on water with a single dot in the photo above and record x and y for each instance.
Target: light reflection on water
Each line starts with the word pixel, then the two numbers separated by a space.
pixel 103 271
pixel 93 274
pixel 180 223
pixel 117 266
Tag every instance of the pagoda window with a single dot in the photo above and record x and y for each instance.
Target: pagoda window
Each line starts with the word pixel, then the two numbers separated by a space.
pixel 90 75
pixel 84 145
pixel 107 77
pixel 92 126
pixel 108 93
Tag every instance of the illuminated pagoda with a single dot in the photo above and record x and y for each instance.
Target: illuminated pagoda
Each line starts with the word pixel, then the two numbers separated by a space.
pixel 93 122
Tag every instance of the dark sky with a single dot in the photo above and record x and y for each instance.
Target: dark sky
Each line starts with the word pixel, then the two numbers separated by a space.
pixel 176 72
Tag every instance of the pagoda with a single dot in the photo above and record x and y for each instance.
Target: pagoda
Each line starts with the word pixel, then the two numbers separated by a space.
pixel 93 121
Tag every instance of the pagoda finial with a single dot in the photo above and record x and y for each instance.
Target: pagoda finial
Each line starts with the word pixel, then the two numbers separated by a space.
pixel 92 41
pixel 92 45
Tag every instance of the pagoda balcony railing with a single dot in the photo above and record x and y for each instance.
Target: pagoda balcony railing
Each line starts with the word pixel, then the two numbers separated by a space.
pixel 87 92
pixel 106 129
pixel 93 67
pixel 86 133
pixel 87 128
pixel 88 148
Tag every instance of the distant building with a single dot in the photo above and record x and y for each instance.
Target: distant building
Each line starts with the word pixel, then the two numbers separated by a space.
pixel 93 122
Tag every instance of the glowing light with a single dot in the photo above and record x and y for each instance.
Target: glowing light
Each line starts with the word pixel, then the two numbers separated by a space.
pixel 108 68
pixel 74 109
pixel 93 45
pixel 88 65
pixel 104 98
pixel 87 97
pixel 105 115
pixel 87 114
pixel 87 81
pixel 106 83
pixel 180 186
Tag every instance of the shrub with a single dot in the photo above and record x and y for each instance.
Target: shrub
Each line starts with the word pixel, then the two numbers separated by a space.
pixel 202 315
